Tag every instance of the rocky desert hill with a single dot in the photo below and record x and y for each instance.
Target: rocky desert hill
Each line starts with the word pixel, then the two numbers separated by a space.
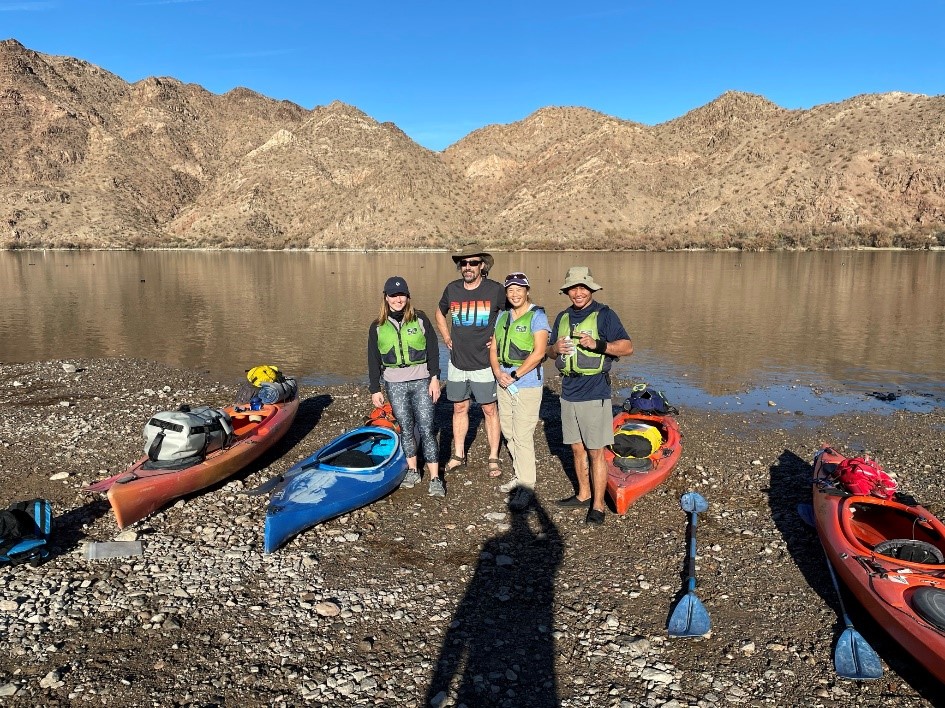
pixel 89 160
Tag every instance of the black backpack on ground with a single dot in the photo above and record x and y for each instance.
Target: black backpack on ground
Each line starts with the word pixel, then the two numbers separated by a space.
pixel 24 532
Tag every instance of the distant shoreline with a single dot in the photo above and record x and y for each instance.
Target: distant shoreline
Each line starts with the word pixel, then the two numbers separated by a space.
pixel 242 249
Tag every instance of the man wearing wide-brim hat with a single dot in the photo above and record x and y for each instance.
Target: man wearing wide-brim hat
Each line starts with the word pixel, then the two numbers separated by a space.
pixel 466 319
pixel 587 338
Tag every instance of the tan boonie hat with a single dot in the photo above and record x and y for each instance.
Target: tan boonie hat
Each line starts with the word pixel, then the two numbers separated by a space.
pixel 580 275
pixel 471 250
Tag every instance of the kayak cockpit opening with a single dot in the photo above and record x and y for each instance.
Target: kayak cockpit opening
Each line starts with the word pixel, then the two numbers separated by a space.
pixel 362 450
pixel 896 531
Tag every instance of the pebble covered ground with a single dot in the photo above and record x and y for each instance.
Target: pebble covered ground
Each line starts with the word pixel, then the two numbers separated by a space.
pixel 417 601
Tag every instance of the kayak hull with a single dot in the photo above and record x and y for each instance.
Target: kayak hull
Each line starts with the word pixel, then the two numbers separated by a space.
pixel 625 487
pixel 326 485
pixel 893 590
pixel 138 492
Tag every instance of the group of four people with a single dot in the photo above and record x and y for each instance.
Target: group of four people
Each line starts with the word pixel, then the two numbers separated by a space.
pixel 497 340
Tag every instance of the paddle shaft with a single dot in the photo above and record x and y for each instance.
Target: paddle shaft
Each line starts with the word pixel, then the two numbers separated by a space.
pixel 270 484
pixel 694 521
pixel 836 586
pixel 338 453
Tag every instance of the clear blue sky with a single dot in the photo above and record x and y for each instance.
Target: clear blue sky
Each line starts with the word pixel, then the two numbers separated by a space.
pixel 439 70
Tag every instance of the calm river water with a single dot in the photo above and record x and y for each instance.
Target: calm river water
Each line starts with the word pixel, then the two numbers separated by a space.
pixel 704 325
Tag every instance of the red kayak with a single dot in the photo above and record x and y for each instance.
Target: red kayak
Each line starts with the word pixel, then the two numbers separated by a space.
pixel 626 486
pixel 889 554
pixel 138 492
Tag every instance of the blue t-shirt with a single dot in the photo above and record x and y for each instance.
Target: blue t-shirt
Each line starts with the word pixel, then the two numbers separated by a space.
pixel 533 379
pixel 594 387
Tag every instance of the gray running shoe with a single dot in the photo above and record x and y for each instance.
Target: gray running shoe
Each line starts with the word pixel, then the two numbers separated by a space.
pixel 521 499
pixel 411 479
pixel 509 486
pixel 436 488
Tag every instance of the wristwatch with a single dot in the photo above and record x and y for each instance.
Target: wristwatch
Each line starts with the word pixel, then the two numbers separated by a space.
pixel 514 375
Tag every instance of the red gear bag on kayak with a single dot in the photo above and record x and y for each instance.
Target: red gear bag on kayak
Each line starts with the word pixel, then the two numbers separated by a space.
pixel 861 475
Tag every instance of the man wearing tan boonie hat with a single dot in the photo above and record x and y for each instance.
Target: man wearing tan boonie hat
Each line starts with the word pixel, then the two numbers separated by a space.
pixel 587 338
pixel 466 319
pixel 580 275
pixel 474 250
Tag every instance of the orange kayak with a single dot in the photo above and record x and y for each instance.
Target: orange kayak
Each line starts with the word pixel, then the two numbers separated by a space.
pixel 874 545
pixel 138 492
pixel 626 486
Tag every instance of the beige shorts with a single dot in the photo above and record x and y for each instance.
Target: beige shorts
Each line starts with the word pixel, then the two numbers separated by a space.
pixel 588 422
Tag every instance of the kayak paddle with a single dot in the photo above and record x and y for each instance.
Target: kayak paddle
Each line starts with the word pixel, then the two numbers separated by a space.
pixel 853 657
pixel 690 618
pixel 274 482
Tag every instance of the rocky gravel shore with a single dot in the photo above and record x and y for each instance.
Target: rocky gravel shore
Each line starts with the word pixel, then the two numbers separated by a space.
pixel 418 601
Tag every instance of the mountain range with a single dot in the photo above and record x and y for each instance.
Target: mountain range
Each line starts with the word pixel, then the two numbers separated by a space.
pixel 89 160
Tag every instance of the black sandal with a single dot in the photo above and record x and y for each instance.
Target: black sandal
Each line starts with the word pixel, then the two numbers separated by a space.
pixel 495 467
pixel 454 458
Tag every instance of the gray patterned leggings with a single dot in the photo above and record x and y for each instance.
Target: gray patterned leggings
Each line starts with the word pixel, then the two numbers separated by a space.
pixel 413 406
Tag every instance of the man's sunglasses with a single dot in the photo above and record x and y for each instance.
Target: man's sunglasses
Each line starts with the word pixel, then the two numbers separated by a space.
pixel 472 263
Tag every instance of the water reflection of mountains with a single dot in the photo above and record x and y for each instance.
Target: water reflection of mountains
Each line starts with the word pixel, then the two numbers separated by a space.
pixel 717 319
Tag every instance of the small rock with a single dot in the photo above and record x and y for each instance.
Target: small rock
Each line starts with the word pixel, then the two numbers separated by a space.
pixel 327 609
pixel 8 689
pixel 170 623
pixel 50 680
pixel 59 475
pixel 655 675
pixel 69 368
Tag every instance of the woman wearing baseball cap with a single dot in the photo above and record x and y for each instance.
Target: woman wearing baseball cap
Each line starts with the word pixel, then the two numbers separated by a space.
pixel 521 337
pixel 403 351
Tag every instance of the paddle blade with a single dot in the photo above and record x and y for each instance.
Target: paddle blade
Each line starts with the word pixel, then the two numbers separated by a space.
pixel 265 487
pixel 693 502
pixel 855 659
pixel 806 512
pixel 690 618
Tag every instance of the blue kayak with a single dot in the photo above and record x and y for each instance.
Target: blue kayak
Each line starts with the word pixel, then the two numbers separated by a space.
pixel 353 470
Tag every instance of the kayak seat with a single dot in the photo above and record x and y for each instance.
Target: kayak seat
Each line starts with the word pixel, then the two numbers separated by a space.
pixel 907 549
pixel 382 449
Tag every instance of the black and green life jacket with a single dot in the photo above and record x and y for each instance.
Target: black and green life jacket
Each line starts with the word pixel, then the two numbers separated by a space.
pixel 514 339
pixel 402 346
pixel 582 361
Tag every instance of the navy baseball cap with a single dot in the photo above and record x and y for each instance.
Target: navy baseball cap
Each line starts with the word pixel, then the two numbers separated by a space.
pixel 396 285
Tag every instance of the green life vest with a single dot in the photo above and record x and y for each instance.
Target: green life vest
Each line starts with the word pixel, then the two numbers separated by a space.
pixel 514 340
pixel 402 346
pixel 581 362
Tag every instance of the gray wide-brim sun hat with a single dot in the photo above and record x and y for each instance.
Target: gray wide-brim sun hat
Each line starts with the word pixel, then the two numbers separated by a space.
pixel 580 275
pixel 471 250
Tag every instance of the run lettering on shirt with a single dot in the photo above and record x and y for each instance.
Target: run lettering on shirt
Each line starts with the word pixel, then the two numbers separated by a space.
pixel 472 313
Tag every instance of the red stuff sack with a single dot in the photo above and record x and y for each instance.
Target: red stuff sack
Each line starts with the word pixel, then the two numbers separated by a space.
pixel 861 475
